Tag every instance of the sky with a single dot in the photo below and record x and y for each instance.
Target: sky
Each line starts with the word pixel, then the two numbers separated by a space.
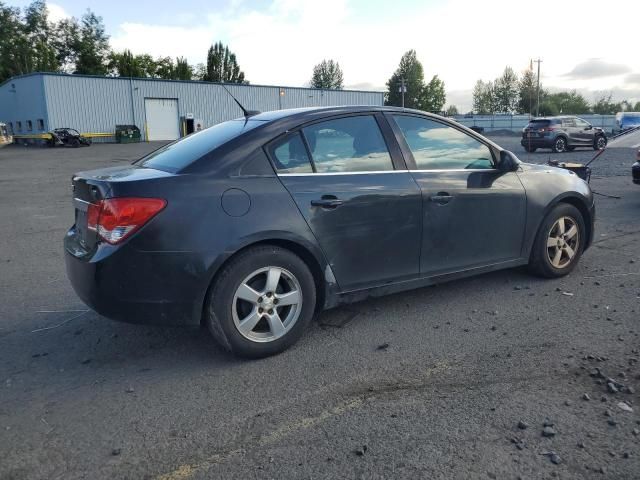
pixel 583 45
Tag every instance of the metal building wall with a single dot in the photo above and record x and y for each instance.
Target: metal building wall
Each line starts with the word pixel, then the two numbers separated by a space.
pixel 22 99
pixel 97 104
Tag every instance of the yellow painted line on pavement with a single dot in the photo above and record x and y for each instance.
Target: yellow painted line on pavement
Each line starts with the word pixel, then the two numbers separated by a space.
pixel 186 471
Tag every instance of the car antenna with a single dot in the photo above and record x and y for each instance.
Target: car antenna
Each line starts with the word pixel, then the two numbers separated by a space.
pixel 247 113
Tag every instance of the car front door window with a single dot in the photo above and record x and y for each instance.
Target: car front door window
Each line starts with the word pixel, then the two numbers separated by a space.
pixel 436 146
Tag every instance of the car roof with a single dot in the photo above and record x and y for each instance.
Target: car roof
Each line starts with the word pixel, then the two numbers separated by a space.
pixel 314 111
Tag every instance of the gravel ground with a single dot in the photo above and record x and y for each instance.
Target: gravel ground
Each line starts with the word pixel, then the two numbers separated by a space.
pixel 461 380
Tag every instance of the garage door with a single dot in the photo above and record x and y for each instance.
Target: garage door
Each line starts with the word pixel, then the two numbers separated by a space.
pixel 162 118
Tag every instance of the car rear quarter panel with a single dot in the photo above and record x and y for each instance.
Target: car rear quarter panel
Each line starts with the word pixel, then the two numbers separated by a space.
pixel 545 187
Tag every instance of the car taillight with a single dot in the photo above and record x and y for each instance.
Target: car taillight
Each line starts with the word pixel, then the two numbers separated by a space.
pixel 114 219
pixel 546 129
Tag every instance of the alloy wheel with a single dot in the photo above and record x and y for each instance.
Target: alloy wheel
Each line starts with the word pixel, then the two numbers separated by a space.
pixel 563 242
pixel 601 143
pixel 267 304
pixel 560 145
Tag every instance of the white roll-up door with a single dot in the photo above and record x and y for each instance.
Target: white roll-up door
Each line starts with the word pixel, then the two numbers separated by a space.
pixel 162 118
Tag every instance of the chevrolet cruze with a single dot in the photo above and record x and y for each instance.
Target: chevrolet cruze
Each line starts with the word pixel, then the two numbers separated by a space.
pixel 253 225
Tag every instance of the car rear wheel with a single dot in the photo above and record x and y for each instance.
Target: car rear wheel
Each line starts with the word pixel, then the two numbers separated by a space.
pixel 559 242
pixel 600 142
pixel 560 145
pixel 261 302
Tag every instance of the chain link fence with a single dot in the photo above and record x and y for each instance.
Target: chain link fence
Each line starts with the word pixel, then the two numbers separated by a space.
pixel 507 123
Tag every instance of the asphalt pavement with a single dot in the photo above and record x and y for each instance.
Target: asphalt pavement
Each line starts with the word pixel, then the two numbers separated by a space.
pixel 503 376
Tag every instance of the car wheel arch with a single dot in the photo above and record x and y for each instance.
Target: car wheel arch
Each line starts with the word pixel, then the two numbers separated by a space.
pixel 299 247
pixel 571 198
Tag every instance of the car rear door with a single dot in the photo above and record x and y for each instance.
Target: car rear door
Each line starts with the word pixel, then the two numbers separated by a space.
pixel 348 179
pixel 473 214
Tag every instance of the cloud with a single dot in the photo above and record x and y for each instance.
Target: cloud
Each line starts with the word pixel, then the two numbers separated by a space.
pixel 278 42
pixel 632 79
pixel 56 12
pixel 366 86
pixel 597 68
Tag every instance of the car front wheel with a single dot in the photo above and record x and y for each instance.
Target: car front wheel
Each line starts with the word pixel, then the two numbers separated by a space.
pixel 261 302
pixel 600 143
pixel 559 242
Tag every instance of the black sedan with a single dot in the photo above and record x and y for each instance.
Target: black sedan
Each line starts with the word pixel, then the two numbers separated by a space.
pixel 253 225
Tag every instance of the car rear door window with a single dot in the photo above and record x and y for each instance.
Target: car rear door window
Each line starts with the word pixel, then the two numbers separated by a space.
pixel 290 155
pixel 350 144
pixel 436 146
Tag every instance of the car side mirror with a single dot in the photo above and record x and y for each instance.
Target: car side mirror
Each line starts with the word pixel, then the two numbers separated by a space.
pixel 588 127
pixel 508 161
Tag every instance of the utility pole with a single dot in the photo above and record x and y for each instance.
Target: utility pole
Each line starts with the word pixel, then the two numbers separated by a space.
pixel 538 61
pixel 403 89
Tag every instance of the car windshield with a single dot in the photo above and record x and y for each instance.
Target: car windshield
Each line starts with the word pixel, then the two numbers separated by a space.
pixel 177 155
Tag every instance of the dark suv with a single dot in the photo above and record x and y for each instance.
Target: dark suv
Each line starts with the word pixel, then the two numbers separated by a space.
pixel 562 134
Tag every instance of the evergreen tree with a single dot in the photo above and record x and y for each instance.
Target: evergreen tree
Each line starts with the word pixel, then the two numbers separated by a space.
pixel 506 91
pixel 182 71
pixel 432 97
pixel 411 70
pixel 328 75
pixel 222 66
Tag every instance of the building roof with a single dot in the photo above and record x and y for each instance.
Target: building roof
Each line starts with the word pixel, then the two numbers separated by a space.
pixel 73 75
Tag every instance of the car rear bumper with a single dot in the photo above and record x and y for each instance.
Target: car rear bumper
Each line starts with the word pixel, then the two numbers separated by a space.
pixel 133 286
pixel 635 172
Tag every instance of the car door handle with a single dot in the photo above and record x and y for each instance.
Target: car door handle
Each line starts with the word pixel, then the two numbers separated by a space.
pixel 327 202
pixel 441 198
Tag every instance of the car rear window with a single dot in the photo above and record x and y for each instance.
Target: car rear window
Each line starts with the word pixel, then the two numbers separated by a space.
pixel 181 153
pixel 539 123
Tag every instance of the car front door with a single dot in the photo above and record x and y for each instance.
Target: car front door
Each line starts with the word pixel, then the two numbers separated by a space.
pixel 584 132
pixel 473 214
pixel 569 127
pixel 349 181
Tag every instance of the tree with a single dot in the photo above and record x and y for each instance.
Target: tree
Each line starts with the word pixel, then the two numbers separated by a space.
pixel 328 75
pixel 124 64
pixel 604 105
pixel 183 70
pixel 222 66
pixel 164 68
pixel 452 110
pixel 92 46
pixel 527 92
pixel 568 102
pixel 484 98
pixel 506 91
pixel 14 51
pixel 66 38
pixel 38 33
pixel 411 70
pixel 432 96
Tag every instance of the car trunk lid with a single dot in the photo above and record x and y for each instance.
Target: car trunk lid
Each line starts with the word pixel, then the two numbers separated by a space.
pixel 90 187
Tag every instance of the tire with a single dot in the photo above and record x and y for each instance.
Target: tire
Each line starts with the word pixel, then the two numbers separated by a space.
pixel 247 276
pixel 600 142
pixel 74 142
pixel 541 262
pixel 559 145
pixel 530 149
